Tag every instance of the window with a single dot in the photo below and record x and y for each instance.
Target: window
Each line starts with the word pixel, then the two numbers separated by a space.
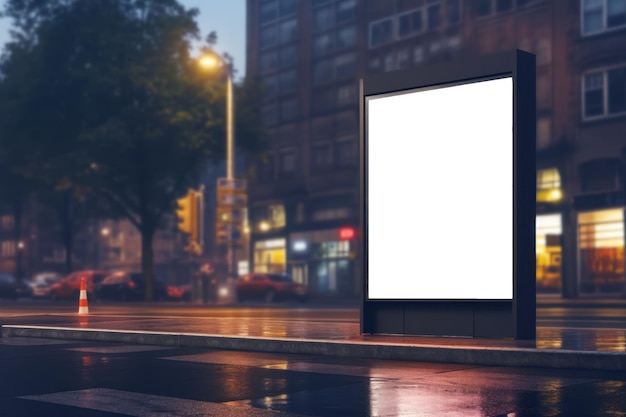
pixel 346 10
pixel 8 248
pixel 381 32
pixel 288 31
pixel 410 23
pixel 345 154
pixel 322 44
pixel 8 222
pixel 323 102
pixel 433 16
pixel 288 110
pixel 346 37
pixel 270 85
pixel 345 65
pixel 277 216
pixel 269 36
pixel 342 66
pixel 604 93
pixel 268 61
pixel 601 175
pixel 282 83
pixel 418 54
pixel 287 163
pixel 453 11
pixel 329 42
pixel 268 11
pixel 346 95
pixel 287 56
pixel 403 59
pixel 321 157
pixel 288 82
pixel 270 114
pixel 482 8
pixel 324 18
pixel 330 210
pixel 504 5
pixel 548 179
pixel 323 72
pixel 271 10
pixel 288 7
pixel 602 15
pixel 266 168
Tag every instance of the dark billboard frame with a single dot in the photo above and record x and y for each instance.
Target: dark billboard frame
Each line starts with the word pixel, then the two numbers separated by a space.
pixel 514 318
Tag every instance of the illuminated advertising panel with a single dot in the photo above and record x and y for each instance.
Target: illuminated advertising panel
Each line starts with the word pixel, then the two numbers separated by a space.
pixel 440 192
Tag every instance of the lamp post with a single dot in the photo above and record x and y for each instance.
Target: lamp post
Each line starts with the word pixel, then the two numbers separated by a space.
pixel 210 61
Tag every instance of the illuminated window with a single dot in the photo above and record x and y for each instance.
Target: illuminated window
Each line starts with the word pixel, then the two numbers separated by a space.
pixel 8 248
pixel 548 179
pixel 8 222
pixel 601 244
pixel 549 186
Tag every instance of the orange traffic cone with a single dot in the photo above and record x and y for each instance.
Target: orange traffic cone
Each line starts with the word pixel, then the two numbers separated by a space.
pixel 83 308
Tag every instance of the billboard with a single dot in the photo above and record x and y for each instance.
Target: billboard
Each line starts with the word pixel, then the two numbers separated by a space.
pixel 440 192
pixel 448 189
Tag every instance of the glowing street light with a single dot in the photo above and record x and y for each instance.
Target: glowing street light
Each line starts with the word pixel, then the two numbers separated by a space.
pixel 212 61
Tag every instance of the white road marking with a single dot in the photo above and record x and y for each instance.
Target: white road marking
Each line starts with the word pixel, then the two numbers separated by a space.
pixel 117 349
pixel 148 405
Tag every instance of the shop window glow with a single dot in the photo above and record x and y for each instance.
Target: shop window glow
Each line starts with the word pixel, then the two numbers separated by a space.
pixel 346 233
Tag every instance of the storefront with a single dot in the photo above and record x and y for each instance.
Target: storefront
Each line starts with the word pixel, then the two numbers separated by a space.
pixel 601 252
pixel 270 256
pixel 325 260
pixel 548 253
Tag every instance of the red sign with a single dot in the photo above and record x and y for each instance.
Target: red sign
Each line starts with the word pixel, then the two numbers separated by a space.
pixel 346 233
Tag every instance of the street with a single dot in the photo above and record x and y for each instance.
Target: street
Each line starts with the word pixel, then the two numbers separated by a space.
pixel 591 315
pixel 72 378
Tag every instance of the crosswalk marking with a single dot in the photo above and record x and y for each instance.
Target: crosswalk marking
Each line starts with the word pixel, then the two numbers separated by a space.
pixel 148 405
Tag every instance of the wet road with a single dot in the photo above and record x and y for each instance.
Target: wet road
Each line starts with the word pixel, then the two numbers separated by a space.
pixel 595 316
pixel 42 377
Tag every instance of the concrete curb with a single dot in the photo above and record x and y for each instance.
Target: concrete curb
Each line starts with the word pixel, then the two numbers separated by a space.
pixel 524 357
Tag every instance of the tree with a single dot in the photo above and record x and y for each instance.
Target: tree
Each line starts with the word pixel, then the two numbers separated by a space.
pixel 103 98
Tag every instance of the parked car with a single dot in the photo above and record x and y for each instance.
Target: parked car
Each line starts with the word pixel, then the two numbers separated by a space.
pixel 42 282
pixel 125 286
pixel 179 292
pixel 270 287
pixel 69 287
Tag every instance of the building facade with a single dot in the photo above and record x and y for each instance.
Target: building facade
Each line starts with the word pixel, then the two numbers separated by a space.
pixel 304 198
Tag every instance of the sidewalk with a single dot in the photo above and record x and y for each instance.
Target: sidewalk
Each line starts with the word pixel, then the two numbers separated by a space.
pixel 555 347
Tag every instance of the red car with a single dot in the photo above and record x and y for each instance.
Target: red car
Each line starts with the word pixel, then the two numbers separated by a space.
pixel 69 287
pixel 270 287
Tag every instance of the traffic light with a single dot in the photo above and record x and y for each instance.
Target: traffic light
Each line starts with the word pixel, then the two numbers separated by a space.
pixel 188 214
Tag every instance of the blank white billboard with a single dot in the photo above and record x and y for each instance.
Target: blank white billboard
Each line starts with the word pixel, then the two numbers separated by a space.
pixel 440 193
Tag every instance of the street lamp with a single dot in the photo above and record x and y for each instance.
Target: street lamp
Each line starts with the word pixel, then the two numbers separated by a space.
pixel 211 61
